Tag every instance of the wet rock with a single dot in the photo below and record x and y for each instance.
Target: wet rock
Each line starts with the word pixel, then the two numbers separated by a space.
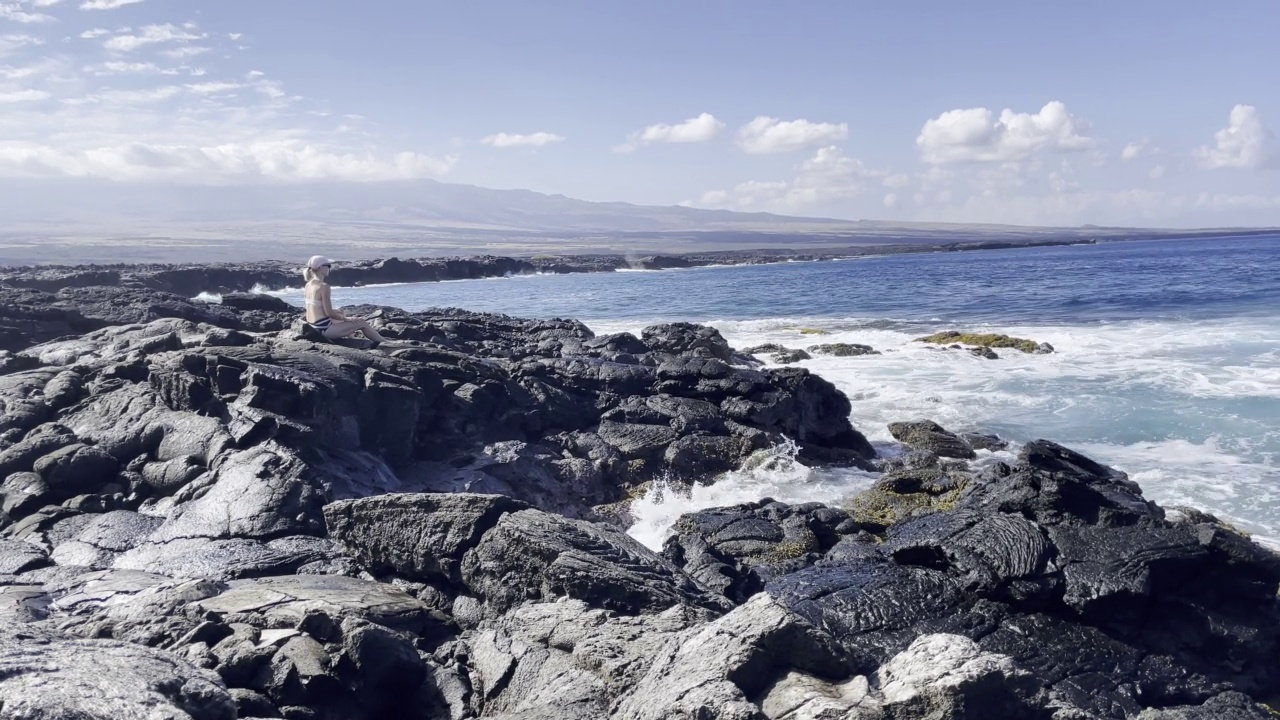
pixel 789 357
pixel 734 551
pixel 843 349
pixel 987 341
pixel 931 437
pixel 980 441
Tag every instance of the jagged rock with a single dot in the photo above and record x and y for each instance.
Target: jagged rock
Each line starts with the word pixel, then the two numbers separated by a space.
pixel 290 600
pixel 416 536
pixel 100 541
pixel 949 676
pixel 24 492
pixel 17 557
pixel 687 339
pixel 76 469
pixel 1227 706
pixel 736 550
pixel 929 436
pixel 47 675
pixel 531 555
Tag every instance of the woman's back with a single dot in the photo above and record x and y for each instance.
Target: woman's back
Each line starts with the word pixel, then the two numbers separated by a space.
pixel 314 293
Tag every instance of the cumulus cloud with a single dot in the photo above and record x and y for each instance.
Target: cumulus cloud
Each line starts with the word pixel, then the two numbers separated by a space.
pixel 766 135
pixel 538 139
pixel 694 130
pixel 1244 143
pixel 827 177
pixel 106 4
pixel 149 35
pixel 978 135
pixel 232 162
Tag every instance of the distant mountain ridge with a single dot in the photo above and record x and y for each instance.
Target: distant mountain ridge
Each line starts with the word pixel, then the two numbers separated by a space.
pixel 87 220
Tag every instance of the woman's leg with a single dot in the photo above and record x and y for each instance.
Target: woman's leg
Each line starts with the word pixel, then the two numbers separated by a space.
pixel 339 329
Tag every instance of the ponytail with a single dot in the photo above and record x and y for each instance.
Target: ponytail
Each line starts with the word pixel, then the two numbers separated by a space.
pixel 308 274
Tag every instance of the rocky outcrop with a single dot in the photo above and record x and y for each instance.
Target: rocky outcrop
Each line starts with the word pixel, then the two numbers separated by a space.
pixel 981 344
pixel 210 516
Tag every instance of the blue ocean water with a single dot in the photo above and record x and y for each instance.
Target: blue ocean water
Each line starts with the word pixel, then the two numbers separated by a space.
pixel 1167 362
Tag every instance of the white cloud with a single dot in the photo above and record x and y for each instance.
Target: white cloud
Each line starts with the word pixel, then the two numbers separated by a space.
pixel 1135 150
pixel 213 87
pixel 45 3
pixel 94 33
pixel 1244 143
pixel 891 201
pixel 9 43
pixel 127 97
pixel 123 68
pixel 767 135
pixel 235 36
pixel 694 130
pixel 106 4
pixel 18 96
pixel 278 160
pixel 14 12
pixel 977 135
pixel 827 177
pixel 1156 172
pixel 538 139
pixel 148 35
pixel 186 51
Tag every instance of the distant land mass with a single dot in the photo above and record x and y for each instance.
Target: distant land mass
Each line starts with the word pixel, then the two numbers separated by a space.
pixel 92 221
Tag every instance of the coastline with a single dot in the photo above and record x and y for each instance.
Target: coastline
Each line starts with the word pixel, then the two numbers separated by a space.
pixel 195 278
pixel 204 499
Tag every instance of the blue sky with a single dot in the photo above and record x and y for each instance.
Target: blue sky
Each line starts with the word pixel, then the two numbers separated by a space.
pixel 1143 113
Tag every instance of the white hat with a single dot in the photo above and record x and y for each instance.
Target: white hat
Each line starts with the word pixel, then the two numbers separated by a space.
pixel 318 261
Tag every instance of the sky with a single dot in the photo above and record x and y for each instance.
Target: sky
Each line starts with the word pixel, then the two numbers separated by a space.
pixel 1135 113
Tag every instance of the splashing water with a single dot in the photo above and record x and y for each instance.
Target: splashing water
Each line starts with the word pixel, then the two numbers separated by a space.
pixel 773 473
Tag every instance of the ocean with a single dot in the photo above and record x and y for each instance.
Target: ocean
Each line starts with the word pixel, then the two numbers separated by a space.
pixel 1167 361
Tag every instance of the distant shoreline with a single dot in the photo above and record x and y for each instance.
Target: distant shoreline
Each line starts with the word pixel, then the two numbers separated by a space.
pixel 190 279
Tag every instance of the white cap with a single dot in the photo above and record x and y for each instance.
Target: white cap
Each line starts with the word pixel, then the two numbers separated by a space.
pixel 318 261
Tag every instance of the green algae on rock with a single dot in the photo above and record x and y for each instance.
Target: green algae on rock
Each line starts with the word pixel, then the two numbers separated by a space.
pixel 988 340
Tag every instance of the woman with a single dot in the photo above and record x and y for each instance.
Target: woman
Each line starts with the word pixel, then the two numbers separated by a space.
pixel 320 313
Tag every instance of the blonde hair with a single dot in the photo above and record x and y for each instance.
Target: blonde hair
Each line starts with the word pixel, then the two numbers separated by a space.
pixel 308 274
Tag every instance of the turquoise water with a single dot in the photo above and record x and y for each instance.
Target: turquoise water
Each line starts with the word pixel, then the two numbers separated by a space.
pixel 1168 362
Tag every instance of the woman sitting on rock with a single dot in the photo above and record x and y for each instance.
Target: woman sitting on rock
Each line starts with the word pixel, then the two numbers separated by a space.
pixel 320 313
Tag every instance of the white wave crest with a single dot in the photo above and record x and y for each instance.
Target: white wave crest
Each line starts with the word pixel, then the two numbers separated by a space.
pixel 773 473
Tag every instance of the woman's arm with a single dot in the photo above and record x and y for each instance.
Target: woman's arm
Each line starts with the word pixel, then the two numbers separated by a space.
pixel 328 304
